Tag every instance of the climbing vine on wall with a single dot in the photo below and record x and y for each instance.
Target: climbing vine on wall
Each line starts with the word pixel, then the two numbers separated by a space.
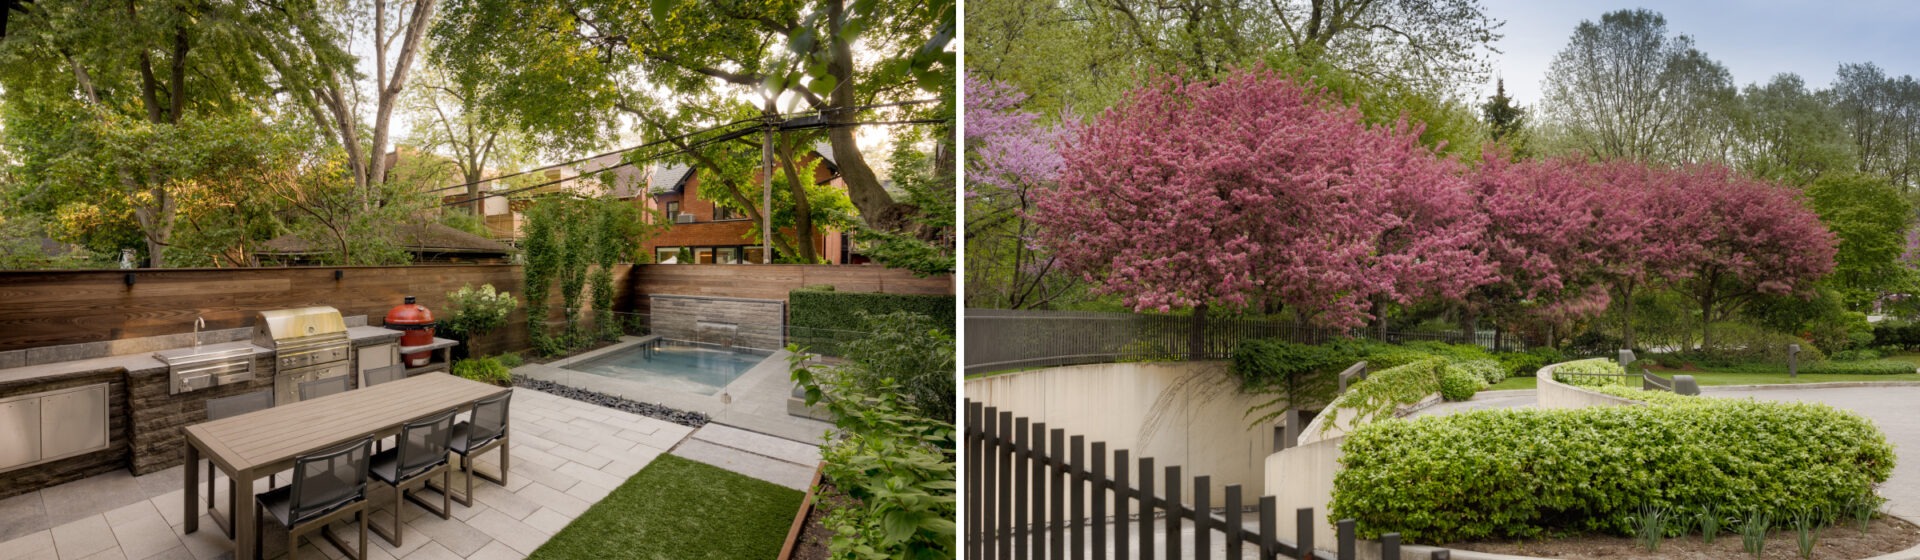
pixel 574 242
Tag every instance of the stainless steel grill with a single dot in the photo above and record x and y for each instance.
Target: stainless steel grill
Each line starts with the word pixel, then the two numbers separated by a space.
pixel 309 343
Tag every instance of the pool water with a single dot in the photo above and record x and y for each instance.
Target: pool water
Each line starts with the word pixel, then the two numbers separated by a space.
pixel 686 368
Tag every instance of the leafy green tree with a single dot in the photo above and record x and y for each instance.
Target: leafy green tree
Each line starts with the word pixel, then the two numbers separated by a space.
pixel 1879 114
pixel 576 71
pixel 1789 134
pixel 573 242
pixel 1625 88
pixel 1506 120
pixel 1871 219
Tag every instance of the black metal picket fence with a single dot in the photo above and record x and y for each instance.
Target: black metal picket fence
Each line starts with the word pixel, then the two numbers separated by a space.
pixel 1038 493
pixel 1002 339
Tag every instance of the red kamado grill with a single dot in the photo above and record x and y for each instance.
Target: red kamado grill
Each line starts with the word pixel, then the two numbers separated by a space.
pixel 416 325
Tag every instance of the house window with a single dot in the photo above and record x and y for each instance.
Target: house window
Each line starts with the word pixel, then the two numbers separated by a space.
pixel 665 254
pixel 673 209
pixel 728 255
pixel 753 254
pixel 703 255
pixel 723 213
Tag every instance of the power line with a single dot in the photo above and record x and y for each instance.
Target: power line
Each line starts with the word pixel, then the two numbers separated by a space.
pixel 795 117
pixel 687 149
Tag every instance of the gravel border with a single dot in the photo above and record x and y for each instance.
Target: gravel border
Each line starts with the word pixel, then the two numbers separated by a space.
pixel 650 410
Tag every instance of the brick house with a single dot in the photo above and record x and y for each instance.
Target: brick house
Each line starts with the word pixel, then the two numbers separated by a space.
pixel 709 234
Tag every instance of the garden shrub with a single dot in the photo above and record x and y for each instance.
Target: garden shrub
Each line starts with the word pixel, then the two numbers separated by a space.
pixel 510 360
pixel 1386 390
pixel 1455 352
pixel 1487 370
pixel 892 469
pixel 1522 473
pixel 1568 373
pixel 1290 373
pixel 1739 342
pixel 484 370
pixel 906 353
pixel 824 320
pixel 477 312
pixel 1855 355
pixel 1865 367
pixel 1662 398
pixel 1520 364
pixel 1458 383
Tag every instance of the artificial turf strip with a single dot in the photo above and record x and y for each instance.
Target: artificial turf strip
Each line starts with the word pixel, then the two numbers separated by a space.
pixel 677 508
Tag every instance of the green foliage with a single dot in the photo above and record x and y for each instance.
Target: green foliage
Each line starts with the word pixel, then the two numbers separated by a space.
pixel 1855 355
pixel 1293 375
pixel 1871 219
pixel 894 467
pixel 478 311
pixel 1386 390
pixel 928 183
pixel 1458 383
pixel 1753 532
pixel 1650 525
pixel 682 509
pixel 1522 473
pixel 1570 373
pixel 1528 363
pixel 1146 350
pixel 907 353
pixel 575 242
pixel 510 360
pixel 1707 518
pixel 484 370
pixel 823 320
pixel 1661 398
pixel 1455 352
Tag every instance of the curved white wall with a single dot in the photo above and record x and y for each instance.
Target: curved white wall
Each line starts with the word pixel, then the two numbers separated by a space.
pixel 1552 393
pixel 1190 414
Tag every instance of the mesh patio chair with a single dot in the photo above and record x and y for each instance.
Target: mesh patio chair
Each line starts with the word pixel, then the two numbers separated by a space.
pixel 323 387
pixel 327 485
pixel 387 374
pixel 485 431
pixel 420 453
pixel 228 407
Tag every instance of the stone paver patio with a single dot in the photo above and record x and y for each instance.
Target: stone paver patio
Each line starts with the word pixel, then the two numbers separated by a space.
pixel 566 456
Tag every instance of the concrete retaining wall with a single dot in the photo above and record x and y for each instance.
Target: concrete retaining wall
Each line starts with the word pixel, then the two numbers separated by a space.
pixel 1554 394
pixel 1190 414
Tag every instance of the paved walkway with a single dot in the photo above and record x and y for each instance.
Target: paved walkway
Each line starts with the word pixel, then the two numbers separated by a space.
pixel 1896 410
pixel 781 461
pixel 567 455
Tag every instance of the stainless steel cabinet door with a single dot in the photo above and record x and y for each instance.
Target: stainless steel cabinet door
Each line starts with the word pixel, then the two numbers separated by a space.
pixel 73 422
pixel 19 432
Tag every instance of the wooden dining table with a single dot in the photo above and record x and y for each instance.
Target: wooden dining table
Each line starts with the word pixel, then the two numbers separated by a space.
pixel 254 445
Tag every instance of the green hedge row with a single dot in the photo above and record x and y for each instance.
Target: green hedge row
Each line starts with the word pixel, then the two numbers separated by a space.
pixel 1662 398
pixel 1522 473
pixel 823 320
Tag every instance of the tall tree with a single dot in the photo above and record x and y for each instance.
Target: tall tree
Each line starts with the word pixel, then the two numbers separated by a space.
pixel 1882 113
pixel 1871 220
pixel 1505 119
pixel 1747 237
pixel 1625 88
pixel 1010 155
pixel 1252 189
pixel 333 96
pixel 576 67
pixel 449 119
pixel 1545 238
pixel 1789 134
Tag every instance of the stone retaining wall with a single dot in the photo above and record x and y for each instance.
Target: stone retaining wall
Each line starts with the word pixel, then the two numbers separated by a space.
pixel 756 323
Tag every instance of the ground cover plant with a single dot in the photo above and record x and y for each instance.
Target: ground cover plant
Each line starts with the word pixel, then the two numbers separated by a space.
pixel 678 508
pixel 1523 473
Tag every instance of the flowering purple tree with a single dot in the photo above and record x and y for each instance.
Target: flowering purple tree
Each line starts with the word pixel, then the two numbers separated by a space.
pixel 1545 238
pixel 1747 237
pixel 1255 189
pixel 1010 153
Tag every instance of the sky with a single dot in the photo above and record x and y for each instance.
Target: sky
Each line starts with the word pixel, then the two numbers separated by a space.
pixel 1754 39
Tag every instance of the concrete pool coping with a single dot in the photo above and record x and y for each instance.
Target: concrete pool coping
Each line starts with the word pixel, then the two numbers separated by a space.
pixel 756 401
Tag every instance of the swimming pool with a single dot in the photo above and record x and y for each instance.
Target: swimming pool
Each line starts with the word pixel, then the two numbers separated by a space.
pixel 681 367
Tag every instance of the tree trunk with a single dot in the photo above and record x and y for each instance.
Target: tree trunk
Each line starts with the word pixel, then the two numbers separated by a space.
pixel 1626 317
pixel 802 212
pixel 863 186
pixel 1197 335
pixel 390 87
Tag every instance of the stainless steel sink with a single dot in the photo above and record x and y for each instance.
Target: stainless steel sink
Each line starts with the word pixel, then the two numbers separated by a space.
pixel 201 367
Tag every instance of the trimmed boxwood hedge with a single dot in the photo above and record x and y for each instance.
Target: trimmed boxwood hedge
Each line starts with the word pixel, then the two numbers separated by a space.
pixel 821 319
pixel 1522 473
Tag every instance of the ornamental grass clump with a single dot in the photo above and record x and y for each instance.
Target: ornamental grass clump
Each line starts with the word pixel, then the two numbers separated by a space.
pixel 1864 508
pixel 1707 517
pixel 1806 530
pixel 1753 533
pixel 1522 473
pixel 1650 526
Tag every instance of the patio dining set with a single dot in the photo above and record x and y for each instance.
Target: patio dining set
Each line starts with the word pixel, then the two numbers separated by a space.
pixel 333 442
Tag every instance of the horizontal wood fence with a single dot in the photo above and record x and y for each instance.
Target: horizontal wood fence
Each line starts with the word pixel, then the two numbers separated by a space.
pixel 1002 339
pixel 42 308
pixel 1038 493
pixel 774 281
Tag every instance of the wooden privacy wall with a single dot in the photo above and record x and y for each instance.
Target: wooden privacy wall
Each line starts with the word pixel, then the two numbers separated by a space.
pixel 773 281
pixel 42 308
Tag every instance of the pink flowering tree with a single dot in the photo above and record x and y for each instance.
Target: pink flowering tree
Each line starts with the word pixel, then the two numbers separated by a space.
pixel 1642 234
pixel 1254 189
pixel 1547 238
pixel 1748 237
pixel 1010 153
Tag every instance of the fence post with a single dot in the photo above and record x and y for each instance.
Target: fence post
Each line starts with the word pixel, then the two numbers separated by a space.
pixel 1236 532
pixel 1146 508
pixel 1173 512
pixel 1098 480
pixel 990 485
pixel 976 452
pixel 1059 500
pixel 1269 527
pixel 1075 464
pixel 1344 531
pixel 1037 531
pixel 1202 517
pixel 1021 532
pixel 1121 523
pixel 1303 522
pixel 1005 535
pixel 1390 546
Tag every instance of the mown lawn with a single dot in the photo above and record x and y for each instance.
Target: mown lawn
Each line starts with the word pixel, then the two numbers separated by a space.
pixel 678 508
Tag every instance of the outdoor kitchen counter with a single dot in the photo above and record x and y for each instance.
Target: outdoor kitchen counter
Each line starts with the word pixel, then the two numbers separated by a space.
pixel 144 363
